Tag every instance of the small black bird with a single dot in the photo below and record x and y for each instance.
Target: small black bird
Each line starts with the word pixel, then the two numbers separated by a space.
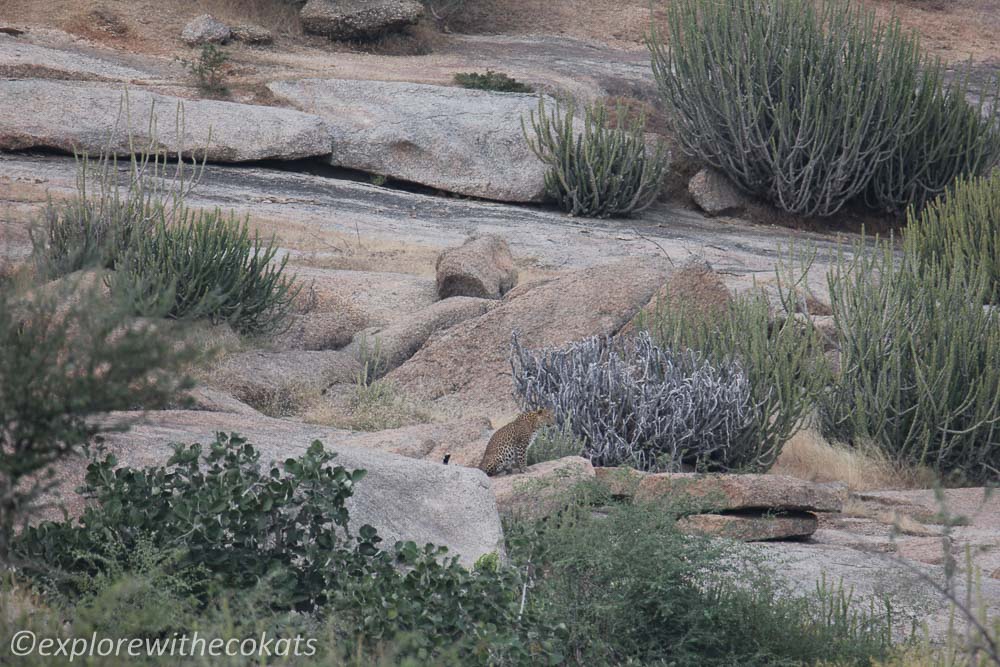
pixel 447 457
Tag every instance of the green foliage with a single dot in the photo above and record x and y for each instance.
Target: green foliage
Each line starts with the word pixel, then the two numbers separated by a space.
pixel 66 357
pixel 780 355
pixel 207 266
pixel 208 69
pixel 227 525
pixel 93 228
pixel 497 81
pixel 813 105
pixel 920 363
pixel 629 588
pixel 961 229
pixel 601 172
pixel 554 443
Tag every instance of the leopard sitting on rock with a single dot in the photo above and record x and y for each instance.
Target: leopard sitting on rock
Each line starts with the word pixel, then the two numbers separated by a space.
pixel 508 448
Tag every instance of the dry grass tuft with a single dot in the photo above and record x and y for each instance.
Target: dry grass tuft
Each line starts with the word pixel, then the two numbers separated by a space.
pixel 811 457
pixel 373 406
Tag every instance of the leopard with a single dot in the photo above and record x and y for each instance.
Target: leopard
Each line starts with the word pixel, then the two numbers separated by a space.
pixel 508 447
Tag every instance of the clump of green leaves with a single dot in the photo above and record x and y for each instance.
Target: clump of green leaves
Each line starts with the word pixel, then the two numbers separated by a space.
pixel 496 81
pixel 66 357
pixel 920 363
pixel 601 171
pixel 811 105
pixel 208 69
pixel 554 443
pixel 961 229
pixel 207 266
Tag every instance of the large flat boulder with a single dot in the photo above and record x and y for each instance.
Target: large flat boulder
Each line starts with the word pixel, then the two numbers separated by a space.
pixel 542 489
pixel 464 141
pixel 469 364
pixel 19 59
pixel 358 19
pixel 72 116
pixel 404 498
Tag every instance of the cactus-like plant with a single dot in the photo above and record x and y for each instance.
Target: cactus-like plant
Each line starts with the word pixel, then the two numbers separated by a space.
pixel 920 363
pixel 633 403
pixel 601 172
pixel 208 266
pixel 811 105
pixel 961 229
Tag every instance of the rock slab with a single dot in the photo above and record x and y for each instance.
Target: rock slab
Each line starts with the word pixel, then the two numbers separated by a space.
pixel 465 141
pixel 542 489
pixel 751 527
pixel 358 19
pixel 482 267
pixel 73 116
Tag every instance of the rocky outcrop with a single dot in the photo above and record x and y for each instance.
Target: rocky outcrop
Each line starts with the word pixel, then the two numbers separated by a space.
pixel 405 499
pixel 399 341
pixel 464 141
pixel 481 267
pixel 358 19
pixel 469 363
pixel 20 59
pixel 747 507
pixel 205 29
pixel 334 305
pixel 72 116
pixel 541 490
pixel 254 35
pixel 715 194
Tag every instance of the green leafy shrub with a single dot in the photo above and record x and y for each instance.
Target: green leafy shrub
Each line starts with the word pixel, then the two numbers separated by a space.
pixel 629 588
pixel 67 357
pixel 961 229
pixel 780 355
pixel 813 105
pixel 208 69
pixel 601 172
pixel 497 81
pixel 207 266
pixel 920 363
pixel 231 524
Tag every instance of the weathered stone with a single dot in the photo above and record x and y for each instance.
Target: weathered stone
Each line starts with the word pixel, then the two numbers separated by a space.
pixel 19 59
pixel 399 341
pixel 750 527
pixel 543 489
pixel 714 193
pixel 252 34
pixel 282 383
pixel 694 288
pixel 335 305
pixel 405 499
pixel 481 267
pixel 358 19
pixel 469 363
pixel 465 141
pixel 205 29
pixel 728 492
pixel 72 116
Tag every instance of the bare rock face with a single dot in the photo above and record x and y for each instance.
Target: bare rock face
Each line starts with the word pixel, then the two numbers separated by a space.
pixel 542 489
pixel 482 267
pixel 403 498
pixel 714 193
pixel 465 141
pixel 358 19
pixel 205 29
pixel 468 364
pixel 399 341
pixel 756 527
pixel 73 116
